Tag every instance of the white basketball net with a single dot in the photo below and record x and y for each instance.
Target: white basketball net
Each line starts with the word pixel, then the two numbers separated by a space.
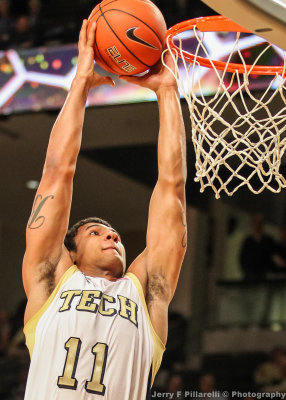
pixel 246 148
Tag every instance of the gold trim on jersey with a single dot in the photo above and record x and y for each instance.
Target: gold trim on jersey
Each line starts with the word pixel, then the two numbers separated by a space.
pixel 31 325
pixel 158 345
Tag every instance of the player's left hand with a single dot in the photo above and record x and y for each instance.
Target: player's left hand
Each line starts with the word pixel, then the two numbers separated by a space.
pixel 158 76
pixel 85 68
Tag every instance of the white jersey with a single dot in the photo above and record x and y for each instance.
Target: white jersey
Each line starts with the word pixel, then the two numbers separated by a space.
pixel 92 339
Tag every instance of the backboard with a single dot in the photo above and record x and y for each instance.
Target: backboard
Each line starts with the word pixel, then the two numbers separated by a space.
pixel 266 18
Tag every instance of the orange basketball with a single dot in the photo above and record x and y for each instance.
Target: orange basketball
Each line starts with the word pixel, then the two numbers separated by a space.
pixel 129 35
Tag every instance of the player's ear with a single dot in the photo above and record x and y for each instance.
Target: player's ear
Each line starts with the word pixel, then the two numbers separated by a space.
pixel 73 257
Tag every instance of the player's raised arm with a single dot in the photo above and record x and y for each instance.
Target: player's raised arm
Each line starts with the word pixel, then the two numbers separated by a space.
pixel 49 218
pixel 166 233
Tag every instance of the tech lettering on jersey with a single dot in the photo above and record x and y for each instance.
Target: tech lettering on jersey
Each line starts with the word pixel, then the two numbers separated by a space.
pixel 128 309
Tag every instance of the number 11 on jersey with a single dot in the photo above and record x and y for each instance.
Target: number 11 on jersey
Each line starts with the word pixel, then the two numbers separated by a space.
pixel 68 380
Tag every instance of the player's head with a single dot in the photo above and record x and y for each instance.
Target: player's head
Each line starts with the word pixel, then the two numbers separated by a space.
pixel 93 240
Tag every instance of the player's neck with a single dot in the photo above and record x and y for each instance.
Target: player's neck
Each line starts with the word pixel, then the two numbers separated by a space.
pixel 97 272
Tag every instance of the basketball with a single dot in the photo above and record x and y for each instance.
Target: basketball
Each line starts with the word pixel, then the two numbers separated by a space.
pixel 129 37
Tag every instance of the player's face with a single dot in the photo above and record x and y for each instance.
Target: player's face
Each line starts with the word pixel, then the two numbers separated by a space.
pixel 101 246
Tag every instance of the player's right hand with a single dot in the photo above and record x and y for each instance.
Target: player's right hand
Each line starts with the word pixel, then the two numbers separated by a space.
pixel 159 77
pixel 85 67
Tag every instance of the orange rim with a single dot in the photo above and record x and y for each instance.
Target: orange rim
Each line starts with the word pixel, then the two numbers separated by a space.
pixel 217 23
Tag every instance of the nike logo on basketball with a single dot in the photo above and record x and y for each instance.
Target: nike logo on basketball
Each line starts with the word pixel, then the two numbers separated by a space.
pixel 130 33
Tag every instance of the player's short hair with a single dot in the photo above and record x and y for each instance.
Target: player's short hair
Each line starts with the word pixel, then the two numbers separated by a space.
pixel 72 232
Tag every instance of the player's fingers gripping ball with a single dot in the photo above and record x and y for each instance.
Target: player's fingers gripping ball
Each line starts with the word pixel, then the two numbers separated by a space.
pixel 129 37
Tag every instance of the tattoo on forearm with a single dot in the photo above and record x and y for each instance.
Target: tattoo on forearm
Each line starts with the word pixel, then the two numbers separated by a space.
pixel 184 238
pixel 36 220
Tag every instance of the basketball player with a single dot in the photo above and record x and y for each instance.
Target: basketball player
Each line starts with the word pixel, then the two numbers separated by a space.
pixel 94 332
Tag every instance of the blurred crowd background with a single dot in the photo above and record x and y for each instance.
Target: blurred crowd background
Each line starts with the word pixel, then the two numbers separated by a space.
pixel 29 23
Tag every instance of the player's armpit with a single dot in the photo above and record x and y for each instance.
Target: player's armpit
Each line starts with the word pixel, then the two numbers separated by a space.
pixel 156 291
